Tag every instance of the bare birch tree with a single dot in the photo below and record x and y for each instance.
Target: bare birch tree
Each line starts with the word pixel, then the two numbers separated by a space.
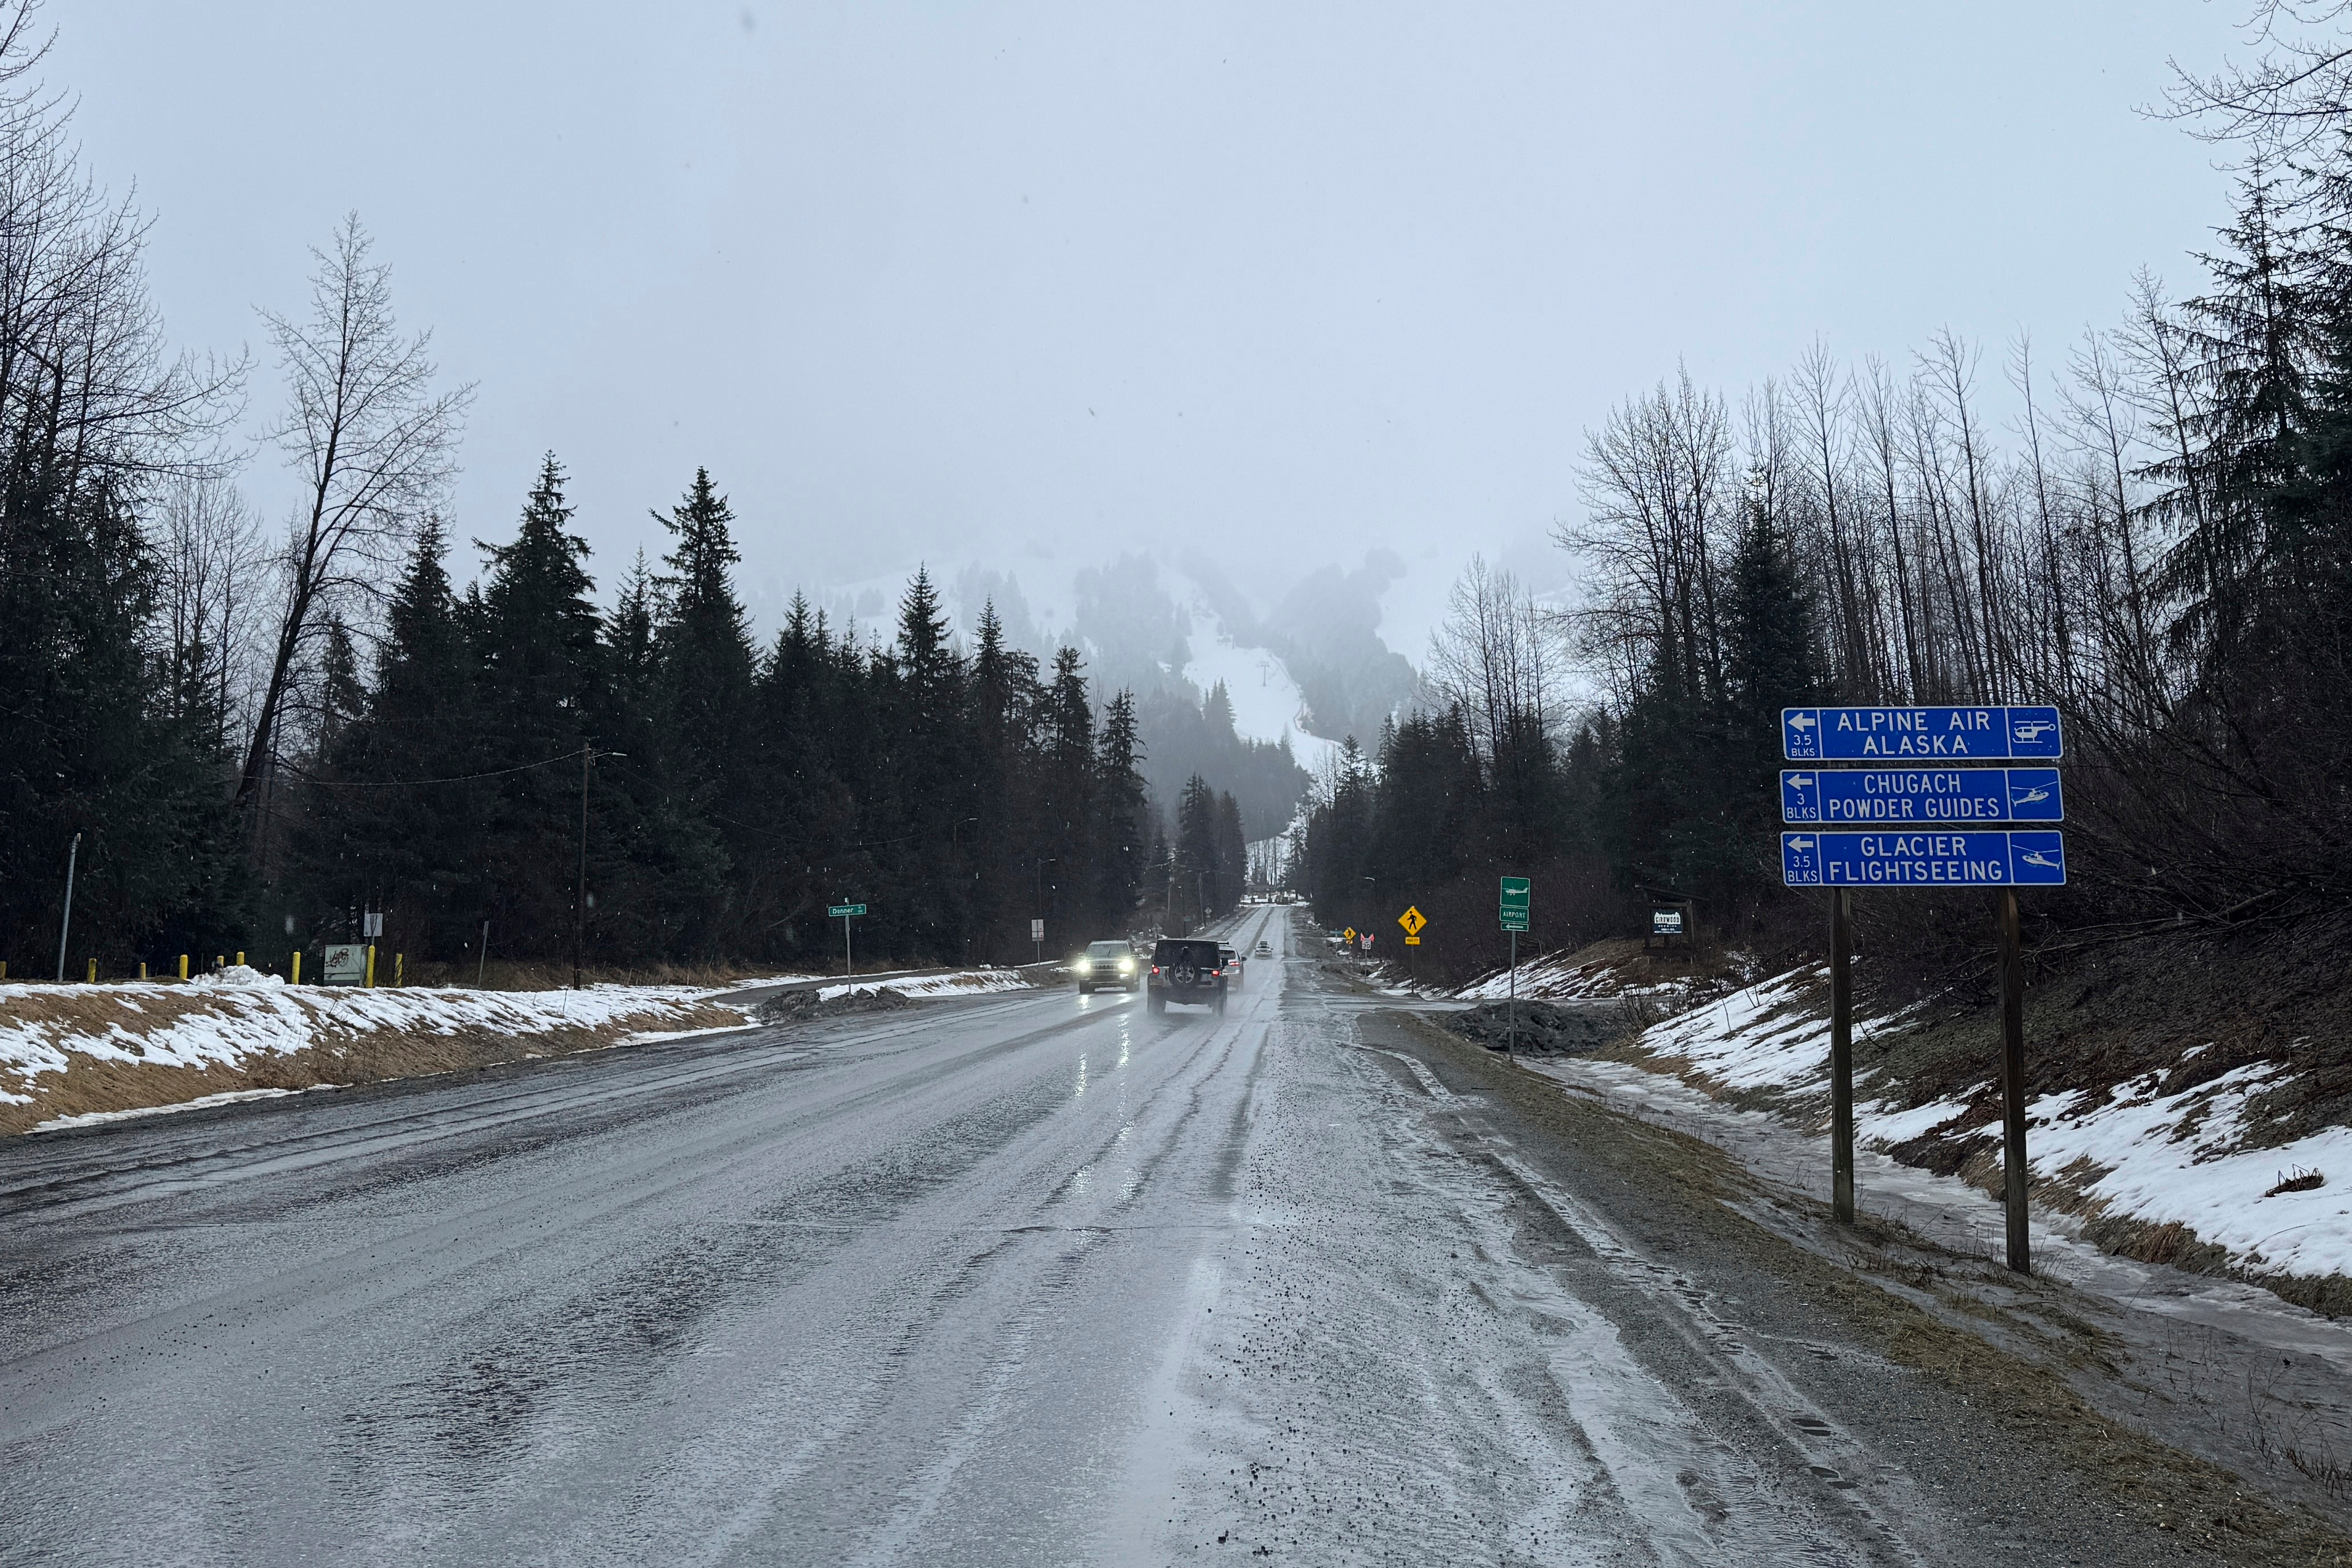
pixel 375 444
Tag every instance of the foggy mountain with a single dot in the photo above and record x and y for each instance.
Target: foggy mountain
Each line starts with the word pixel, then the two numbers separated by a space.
pixel 1253 701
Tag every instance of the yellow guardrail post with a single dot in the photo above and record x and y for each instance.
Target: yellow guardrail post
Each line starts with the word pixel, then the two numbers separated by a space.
pixel 297 966
pixel 371 967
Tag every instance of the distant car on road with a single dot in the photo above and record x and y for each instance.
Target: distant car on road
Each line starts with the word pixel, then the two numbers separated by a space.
pixel 1193 972
pixel 1265 950
pixel 1107 964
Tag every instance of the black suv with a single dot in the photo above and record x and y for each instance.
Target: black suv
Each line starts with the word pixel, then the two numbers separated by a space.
pixel 1189 972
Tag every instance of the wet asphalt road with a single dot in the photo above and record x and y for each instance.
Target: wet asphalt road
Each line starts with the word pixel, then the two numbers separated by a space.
pixel 1034 1281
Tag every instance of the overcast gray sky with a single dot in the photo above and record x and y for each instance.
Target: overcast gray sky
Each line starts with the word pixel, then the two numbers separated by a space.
pixel 1033 283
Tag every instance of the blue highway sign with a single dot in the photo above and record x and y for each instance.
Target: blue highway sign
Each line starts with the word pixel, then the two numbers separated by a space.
pixel 1920 734
pixel 1977 858
pixel 1921 795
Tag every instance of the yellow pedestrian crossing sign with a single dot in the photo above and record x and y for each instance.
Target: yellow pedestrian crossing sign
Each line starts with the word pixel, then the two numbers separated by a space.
pixel 1412 921
pixel 1351 934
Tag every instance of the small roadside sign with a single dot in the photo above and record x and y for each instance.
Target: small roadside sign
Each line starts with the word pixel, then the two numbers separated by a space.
pixel 1951 795
pixel 1979 857
pixel 1036 931
pixel 1517 897
pixel 1924 733
pixel 1666 923
pixel 1412 921
pixel 346 965
pixel 1351 934
pixel 1413 941
pixel 843 911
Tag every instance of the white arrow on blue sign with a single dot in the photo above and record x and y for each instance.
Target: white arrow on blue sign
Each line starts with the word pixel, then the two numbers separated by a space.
pixel 1952 795
pixel 1882 858
pixel 1920 734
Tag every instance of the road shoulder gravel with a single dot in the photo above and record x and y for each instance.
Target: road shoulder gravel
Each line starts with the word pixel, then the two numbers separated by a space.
pixel 2006 1445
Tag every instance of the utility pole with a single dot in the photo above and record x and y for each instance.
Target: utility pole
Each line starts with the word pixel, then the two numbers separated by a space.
pixel 580 898
pixel 580 894
pixel 65 926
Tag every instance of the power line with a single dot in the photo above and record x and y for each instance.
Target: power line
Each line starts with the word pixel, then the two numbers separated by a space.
pixel 414 783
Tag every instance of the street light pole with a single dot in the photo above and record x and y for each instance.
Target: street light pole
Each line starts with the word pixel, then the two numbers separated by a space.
pixel 580 896
pixel 955 862
pixel 65 926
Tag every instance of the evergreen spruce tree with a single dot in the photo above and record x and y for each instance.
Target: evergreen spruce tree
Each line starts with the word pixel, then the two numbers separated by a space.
pixel 1122 854
pixel 1068 794
pixel 705 636
pixel 702 724
pixel 92 741
pixel 930 785
pixel 395 823
pixel 2256 337
pixel 1196 856
pixel 1232 853
pixel 544 685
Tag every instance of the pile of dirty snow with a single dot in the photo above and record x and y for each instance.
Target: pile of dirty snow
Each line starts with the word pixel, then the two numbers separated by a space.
pixel 1542 1029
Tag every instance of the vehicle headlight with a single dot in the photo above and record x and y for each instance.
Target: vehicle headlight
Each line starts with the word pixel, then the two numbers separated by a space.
pixel 1127 965
pixel 1086 963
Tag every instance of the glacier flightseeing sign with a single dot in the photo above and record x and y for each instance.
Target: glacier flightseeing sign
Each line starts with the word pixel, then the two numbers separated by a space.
pixel 1920 734
pixel 1880 858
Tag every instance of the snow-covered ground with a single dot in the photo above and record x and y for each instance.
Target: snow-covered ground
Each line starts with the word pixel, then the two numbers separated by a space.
pixel 2190 1157
pixel 166 1045
pixel 221 1020
pixel 1561 978
pixel 1267 704
pixel 957 983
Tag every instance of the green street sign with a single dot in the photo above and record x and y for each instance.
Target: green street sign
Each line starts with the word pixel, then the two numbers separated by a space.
pixel 843 911
pixel 1515 901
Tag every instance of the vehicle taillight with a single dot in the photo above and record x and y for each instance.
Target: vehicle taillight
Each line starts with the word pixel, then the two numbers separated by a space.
pixel 1155 968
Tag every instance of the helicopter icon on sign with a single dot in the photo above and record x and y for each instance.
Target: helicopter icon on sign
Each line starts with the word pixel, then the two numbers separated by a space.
pixel 2029 730
pixel 2032 796
pixel 2035 857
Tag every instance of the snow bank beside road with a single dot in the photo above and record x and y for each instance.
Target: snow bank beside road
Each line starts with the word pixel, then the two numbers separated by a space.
pixel 1605 970
pixel 2195 1159
pixel 73 1055
pixel 919 988
pixel 73 1052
